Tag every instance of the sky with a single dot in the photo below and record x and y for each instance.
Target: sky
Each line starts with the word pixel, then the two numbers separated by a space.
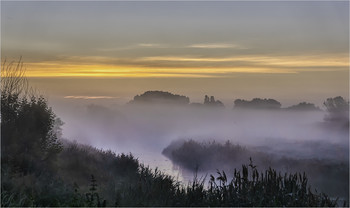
pixel 307 42
pixel 90 58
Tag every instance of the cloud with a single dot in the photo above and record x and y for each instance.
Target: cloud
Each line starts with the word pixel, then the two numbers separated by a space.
pixel 89 97
pixel 185 65
pixel 132 46
pixel 270 61
pixel 112 49
pixel 216 46
pixel 159 45
pixel 153 45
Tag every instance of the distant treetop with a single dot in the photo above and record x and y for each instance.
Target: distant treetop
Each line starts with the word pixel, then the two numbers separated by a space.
pixel 257 103
pixel 212 101
pixel 304 106
pixel 337 104
pixel 338 111
pixel 160 97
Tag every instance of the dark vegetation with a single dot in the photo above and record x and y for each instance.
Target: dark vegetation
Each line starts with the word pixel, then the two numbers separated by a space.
pixel 304 106
pixel 335 106
pixel 338 113
pixel 330 176
pixel 160 97
pixel 272 104
pixel 257 103
pixel 40 169
pixel 209 102
pixel 212 102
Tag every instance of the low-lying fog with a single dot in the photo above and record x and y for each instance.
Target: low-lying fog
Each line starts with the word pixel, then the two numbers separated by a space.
pixel 145 130
pixel 156 126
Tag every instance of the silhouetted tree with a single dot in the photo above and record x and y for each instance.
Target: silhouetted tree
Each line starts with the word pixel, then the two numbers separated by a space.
pixel 257 103
pixel 160 97
pixel 212 102
pixel 303 106
pixel 338 111
pixel 212 99
pixel 337 104
pixel 206 99
pixel 13 80
pixel 93 198
pixel 28 137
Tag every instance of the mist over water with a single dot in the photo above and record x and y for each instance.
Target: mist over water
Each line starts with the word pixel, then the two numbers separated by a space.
pixel 155 126
pixel 106 120
pixel 145 130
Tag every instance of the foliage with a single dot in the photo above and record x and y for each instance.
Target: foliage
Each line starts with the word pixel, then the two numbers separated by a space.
pixel 257 103
pixel 304 106
pixel 207 155
pixel 29 143
pixel 13 79
pixel 263 189
pixel 338 110
pixel 137 185
pixel 337 104
pixel 212 102
pixel 160 97
pixel 337 114
pixel 331 175
pixel 28 138
pixel 93 198
pixel 245 189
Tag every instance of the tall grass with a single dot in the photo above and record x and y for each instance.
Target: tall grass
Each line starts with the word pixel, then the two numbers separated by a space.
pixel 120 180
pixel 327 175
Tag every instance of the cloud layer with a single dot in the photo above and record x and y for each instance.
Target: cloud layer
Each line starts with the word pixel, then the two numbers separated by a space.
pixel 175 38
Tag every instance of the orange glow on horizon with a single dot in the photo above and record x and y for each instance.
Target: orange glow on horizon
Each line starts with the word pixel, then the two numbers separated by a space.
pixel 42 70
pixel 165 66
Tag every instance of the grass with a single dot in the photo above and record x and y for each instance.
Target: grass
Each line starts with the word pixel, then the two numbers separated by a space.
pixel 330 176
pixel 120 180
